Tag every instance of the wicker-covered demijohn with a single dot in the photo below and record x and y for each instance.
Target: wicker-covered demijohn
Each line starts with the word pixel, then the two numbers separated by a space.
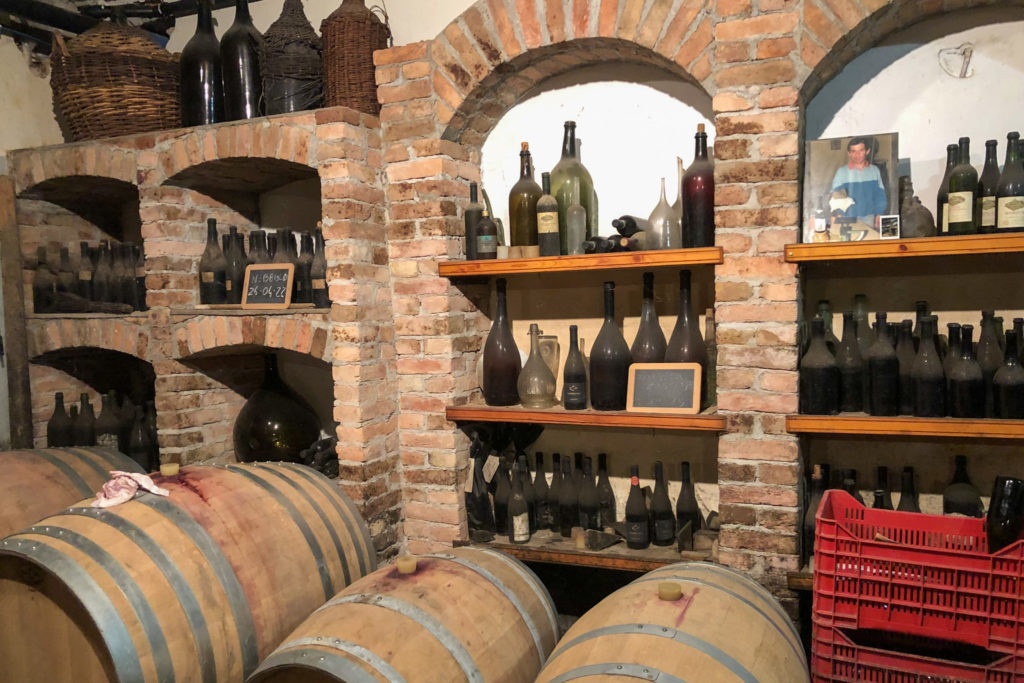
pixel 290 62
pixel 351 33
pixel 113 80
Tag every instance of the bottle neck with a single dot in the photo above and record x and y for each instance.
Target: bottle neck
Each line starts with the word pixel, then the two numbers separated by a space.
pixel 211 234
pixel 685 305
pixel 966 339
pixel 58 401
pixel 609 302
pixel 540 464
pixel 569 142
pixel 907 486
pixel 204 17
pixel 501 313
pixel 954 338
pixel 647 305
pixel 1010 354
pixel 960 477
pixel 525 166
pixel 990 153
pixel 573 339
pixel 1011 150
pixel 700 147
pixel 473 193
pixel 952 152
pixel 965 151
pixel 242 11
pixel 602 463
pixel 686 472
pixel 545 180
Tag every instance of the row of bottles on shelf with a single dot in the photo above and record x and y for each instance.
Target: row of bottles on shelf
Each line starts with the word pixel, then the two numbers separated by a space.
pixel 222 265
pixel 561 217
pixel 604 377
pixel 107 278
pixel 121 425
pixel 909 369
pixel 512 503
pixel 992 202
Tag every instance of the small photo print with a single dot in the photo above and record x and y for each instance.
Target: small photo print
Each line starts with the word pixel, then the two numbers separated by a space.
pixel 889 227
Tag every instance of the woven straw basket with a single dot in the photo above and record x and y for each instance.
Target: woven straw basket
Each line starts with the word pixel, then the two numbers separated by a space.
pixel 351 34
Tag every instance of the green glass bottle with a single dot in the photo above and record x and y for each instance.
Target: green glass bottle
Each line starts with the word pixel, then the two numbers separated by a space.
pixel 1010 193
pixel 988 183
pixel 547 220
pixel 942 217
pixel 963 190
pixel 522 203
pixel 568 169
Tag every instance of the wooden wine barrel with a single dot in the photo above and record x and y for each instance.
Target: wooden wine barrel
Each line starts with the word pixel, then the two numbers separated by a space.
pixel 722 628
pixel 472 615
pixel 37 483
pixel 198 586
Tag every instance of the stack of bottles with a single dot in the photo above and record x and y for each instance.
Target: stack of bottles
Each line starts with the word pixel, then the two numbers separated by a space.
pixel 991 202
pixel 121 425
pixel 909 369
pixel 107 277
pixel 222 265
pixel 516 505
pixel 560 216
pixel 604 378
pixel 960 497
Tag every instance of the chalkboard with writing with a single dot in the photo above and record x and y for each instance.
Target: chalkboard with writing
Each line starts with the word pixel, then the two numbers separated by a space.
pixel 672 388
pixel 268 285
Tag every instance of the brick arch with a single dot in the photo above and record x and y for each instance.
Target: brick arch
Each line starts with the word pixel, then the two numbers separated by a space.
pixel 489 57
pixel 834 33
pixel 108 334
pixel 206 333
pixel 31 168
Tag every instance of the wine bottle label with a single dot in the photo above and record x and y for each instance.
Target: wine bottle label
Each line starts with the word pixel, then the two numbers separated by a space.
pixel 664 529
pixel 227 284
pixel 319 284
pixel 547 223
pixel 486 244
pixel 206 276
pixel 469 482
pixel 961 207
pixel 945 218
pixel 636 533
pixel 1010 213
pixel 521 528
pixel 575 392
pixel 491 466
pixel 988 212
pixel 85 275
pixel 106 440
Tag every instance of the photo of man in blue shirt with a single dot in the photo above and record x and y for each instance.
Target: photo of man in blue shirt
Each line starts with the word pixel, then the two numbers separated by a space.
pixel 861 181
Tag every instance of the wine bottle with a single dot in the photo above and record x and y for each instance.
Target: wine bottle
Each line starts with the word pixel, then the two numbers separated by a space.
pixel 571 184
pixel 479 513
pixel 966 382
pixel 523 468
pixel 502 493
pixel 522 203
pixel 825 311
pixel 990 358
pixel 541 494
pixel 83 277
pixel 140 277
pixel 850 485
pixel 963 190
pixel 1010 191
pixel 942 217
pixel 486 237
pixel 590 515
pixel 851 369
pixel 547 219
pixel 1008 383
pixel 139 448
pixel 239 56
pixel 83 430
pixel 609 360
pixel 607 513
pixel 576 236
pixel 212 268
pixel 234 271
pixel 699 196
pixel 107 425
pixel 819 375
pixel 536 383
pixel 568 500
pixel 961 497
pixel 906 356
pixel 638 534
pixel 686 345
pixel 665 228
pixel 65 275
pixel 118 274
pixel 471 216
pixel 879 500
pixel 577 469
pixel 501 357
pixel 951 358
pixel 303 270
pixel 818 484
pixel 664 525
pixel 518 511
pixel 58 428
pixel 318 273
pixel 988 185
pixel 202 87
pixel 882 486
pixel 927 376
pixel 554 492
pixel 44 284
pixel 865 336
pixel 1018 327
pixel 687 509
pixel 627 226
pixel 649 344
pixel 884 372
pixel 908 492
pixel 677 205
pixel 574 375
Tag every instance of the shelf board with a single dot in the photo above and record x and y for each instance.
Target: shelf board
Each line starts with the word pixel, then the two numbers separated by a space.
pixel 702 256
pixel 551 548
pixel 861 424
pixel 237 310
pixel 477 412
pixel 800 581
pixel 924 246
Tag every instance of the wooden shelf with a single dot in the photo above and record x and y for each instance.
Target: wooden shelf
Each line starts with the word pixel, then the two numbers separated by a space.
pixel 237 310
pixel 861 424
pixel 706 421
pixel 551 548
pixel 906 248
pixel 800 581
pixel 702 256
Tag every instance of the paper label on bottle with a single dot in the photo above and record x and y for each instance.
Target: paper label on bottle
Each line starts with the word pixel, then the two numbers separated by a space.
pixel 574 393
pixel 945 218
pixel 664 529
pixel 491 466
pixel 486 244
pixel 227 284
pixel 106 440
pixel 469 482
pixel 319 284
pixel 521 528
pixel 206 276
pixel 636 533
pixel 1010 213
pixel 961 207
pixel 85 275
pixel 988 212
pixel 547 223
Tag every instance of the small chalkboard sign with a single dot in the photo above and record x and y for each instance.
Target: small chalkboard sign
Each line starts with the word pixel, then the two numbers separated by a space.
pixel 672 388
pixel 268 285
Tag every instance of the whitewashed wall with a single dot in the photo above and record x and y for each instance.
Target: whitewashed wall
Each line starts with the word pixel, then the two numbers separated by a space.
pixel 26 111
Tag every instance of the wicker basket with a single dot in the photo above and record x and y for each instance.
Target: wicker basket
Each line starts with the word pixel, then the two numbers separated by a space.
pixel 351 34
pixel 113 80
pixel 290 62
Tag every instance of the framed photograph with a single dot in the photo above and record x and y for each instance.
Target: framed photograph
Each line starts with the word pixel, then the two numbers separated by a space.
pixel 889 227
pixel 849 186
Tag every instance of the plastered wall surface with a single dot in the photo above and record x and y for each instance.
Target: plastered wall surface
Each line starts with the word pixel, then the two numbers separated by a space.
pixel 25 104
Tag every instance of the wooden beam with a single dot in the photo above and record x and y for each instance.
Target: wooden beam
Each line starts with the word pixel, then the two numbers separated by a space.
pixel 19 391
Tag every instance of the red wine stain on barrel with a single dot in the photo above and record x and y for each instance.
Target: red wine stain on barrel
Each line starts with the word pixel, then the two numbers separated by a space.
pixel 684 603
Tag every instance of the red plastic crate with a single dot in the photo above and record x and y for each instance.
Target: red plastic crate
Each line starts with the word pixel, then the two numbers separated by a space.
pixel 835 658
pixel 918 574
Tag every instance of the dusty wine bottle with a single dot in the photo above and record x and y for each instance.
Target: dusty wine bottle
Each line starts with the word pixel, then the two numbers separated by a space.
pixel 486 237
pixel 637 530
pixel 589 509
pixel 664 521
pixel 522 203
pixel 699 196
pixel 819 375
pixel 574 375
pixel 502 493
pixel 502 363
pixel 988 185
pixel 541 494
pixel 518 511
pixel 605 495
pixel 568 500
pixel 963 189
pixel 649 344
pixel 851 368
pixel 610 359
pixel 547 220
pixel 471 217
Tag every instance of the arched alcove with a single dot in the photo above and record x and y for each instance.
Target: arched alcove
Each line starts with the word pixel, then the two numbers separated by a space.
pixel 111 204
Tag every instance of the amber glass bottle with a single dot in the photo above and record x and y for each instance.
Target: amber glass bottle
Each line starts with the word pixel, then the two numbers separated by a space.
pixel 686 345
pixel 699 196
pixel 522 203
pixel 610 359
pixel 502 363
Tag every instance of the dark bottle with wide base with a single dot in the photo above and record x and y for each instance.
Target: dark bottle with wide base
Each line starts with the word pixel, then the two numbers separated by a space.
pixel 927 375
pixel 58 429
pixel 1008 382
pixel 502 493
pixel 590 510
pixel 851 368
pixel 501 359
pixel 908 492
pixel 610 359
pixel 568 500
pixel 649 344
pixel 239 55
pixel 687 509
pixel 699 196
pixel 819 376
pixel 212 269
pixel 202 87
pixel 686 345
pixel 662 517
pixel 966 381
pixel 605 494
pixel 275 424
pixel 961 496
pixel 884 372
pixel 638 534
pixel 574 375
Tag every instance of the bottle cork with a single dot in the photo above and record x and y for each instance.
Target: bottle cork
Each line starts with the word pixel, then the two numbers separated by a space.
pixel 669 591
pixel 406 564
